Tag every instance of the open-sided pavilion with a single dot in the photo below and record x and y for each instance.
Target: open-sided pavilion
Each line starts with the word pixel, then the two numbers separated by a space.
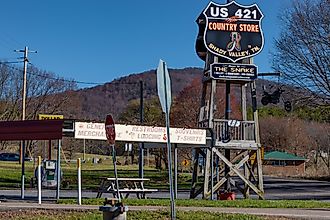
pixel 33 130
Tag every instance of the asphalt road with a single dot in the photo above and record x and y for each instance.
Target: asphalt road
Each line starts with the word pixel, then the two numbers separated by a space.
pixel 278 188
pixel 275 188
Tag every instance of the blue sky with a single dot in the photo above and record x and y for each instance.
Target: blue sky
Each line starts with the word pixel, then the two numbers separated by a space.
pixel 98 41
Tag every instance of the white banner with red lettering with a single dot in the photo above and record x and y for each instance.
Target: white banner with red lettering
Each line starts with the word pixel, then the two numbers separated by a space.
pixel 136 133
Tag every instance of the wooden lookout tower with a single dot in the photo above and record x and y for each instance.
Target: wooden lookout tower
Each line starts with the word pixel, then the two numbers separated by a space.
pixel 234 158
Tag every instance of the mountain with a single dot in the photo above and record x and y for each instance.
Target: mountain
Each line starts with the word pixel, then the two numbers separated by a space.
pixel 93 104
pixel 113 97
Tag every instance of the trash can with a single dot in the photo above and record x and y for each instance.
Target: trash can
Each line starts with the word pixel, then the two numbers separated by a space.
pixel 114 212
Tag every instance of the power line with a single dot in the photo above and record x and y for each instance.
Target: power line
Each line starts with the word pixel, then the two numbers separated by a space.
pixel 66 80
pixel 46 76
pixel 10 62
pixel 61 78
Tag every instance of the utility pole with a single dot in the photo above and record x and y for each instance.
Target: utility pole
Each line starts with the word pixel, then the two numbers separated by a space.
pixel 25 51
pixel 141 147
pixel 22 149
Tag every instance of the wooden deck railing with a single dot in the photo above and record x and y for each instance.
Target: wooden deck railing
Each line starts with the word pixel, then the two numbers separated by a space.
pixel 227 130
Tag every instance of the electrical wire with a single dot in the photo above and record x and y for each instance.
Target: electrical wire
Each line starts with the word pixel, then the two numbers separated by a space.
pixel 116 82
pixel 10 62
pixel 46 76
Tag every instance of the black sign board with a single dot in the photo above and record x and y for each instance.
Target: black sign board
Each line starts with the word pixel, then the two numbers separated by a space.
pixel 68 128
pixel 233 31
pixel 233 71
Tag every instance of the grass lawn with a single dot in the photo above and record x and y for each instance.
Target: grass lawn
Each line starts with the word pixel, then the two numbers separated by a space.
pixel 10 175
pixel 147 215
pixel 245 203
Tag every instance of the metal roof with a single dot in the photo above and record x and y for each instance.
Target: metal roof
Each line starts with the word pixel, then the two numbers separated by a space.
pixel 278 155
pixel 31 130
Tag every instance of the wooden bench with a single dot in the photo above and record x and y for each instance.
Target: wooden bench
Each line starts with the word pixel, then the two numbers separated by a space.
pixel 126 186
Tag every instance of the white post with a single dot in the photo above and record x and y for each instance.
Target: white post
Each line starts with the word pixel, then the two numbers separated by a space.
pixel 148 157
pixel 84 153
pixel 58 180
pixel 79 180
pixel 39 180
pixel 175 171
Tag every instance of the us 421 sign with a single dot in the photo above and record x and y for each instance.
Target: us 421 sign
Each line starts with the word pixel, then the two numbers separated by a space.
pixel 233 31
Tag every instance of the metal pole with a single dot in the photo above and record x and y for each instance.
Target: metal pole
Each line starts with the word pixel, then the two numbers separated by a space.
pixel 39 180
pixel 227 151
pixel 141 145
pixel 58 176
pixel 212 173
pixel 176 171
pixel 49 150
pixel 169 150
pixel 23 169
pixel 79 180
pixel 148 160
pixel 115 170
pixel 84 152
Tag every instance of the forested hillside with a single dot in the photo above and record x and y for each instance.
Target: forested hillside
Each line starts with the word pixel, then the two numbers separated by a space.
pixel 113 97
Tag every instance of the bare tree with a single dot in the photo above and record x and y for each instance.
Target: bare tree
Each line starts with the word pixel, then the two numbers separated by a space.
pixel 10 93
pixel 303 48
pixel 45 94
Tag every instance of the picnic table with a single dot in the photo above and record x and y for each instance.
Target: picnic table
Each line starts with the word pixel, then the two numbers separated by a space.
pixel 126 187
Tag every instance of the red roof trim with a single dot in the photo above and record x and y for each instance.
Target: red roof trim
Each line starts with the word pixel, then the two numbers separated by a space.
pixel 31 130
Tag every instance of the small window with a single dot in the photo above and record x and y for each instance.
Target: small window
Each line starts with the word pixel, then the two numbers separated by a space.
pixel 278 163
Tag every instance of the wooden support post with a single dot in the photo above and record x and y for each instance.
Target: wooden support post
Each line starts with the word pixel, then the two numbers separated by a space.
pixel 257 137
pixel 246 192
pixel 207 173
pixel 260 175
pixel 224 179
pixel 194 174
pixel 232 167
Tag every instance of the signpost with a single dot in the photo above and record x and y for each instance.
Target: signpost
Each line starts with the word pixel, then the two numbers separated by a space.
pixel 111 136
pixel 164 86
pixel 164 93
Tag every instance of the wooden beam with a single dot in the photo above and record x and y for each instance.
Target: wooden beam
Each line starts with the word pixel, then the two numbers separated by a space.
pixel 260 176
pixel 254 188
pixel 207 172
pixel 223 180
pixel 194 174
